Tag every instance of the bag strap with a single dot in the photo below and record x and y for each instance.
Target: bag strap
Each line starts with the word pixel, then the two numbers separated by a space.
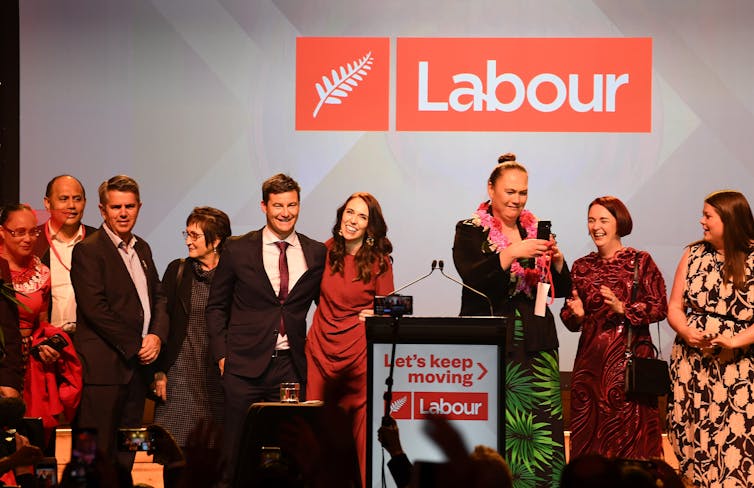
pixel 634 291
pixel 179 275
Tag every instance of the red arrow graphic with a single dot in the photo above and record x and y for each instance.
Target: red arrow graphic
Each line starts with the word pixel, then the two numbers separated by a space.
pixel 484 371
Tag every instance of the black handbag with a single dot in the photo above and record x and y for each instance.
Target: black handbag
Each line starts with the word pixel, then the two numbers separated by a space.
pixel 644 376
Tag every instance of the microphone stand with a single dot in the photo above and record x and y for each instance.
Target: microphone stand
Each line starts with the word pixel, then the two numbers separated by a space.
pixel 441 265
pixel 388 396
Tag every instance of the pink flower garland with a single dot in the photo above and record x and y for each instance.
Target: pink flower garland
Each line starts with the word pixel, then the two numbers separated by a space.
pixel 525 279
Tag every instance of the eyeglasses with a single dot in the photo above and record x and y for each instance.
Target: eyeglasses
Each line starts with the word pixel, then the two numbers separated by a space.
pixel 191 235
pixel 33 233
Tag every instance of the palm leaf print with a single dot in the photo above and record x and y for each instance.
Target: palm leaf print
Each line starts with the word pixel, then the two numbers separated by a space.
pixel 527 442
pixel 547 382
pixel 519 394
pixel 342 81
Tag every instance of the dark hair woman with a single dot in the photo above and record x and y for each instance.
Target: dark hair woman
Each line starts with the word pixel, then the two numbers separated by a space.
pixel 497 252
pixel 187 380
pixel 603 420
pixel 360 268
pixel 711 308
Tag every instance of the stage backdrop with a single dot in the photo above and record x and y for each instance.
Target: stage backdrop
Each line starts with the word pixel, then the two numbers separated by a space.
pixel 197 99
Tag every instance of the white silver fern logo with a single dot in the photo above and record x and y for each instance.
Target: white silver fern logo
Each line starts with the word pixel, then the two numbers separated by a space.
pixel 342 82
pixel 397 404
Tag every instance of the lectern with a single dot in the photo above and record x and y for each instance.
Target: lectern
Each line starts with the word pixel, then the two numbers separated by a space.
pixel 453 366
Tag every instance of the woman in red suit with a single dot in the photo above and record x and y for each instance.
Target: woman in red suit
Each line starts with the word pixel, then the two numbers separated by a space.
pixel 358 258
pixel 603 420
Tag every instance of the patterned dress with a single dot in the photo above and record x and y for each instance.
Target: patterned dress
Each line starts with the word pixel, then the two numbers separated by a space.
pixel 193 389
pixel 534 443
pixel 711 413
pixel 603 420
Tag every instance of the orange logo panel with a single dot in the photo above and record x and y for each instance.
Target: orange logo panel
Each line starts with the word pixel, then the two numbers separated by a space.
pixel 342 83
pixel 524 84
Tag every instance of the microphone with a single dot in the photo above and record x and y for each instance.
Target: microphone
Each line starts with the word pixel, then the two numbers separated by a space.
pixel 441 265
pixel 434 266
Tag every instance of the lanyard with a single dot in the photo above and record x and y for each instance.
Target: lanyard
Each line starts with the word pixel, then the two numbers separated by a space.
pixel 54 250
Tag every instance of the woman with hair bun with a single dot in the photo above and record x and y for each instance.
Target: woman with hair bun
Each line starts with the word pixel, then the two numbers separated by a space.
pixel 497 252
pixel 603 419
pixel 360 267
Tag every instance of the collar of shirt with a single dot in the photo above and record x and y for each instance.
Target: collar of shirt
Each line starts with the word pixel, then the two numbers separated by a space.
pixel 78 237
pixel 119 243
pixel 269 238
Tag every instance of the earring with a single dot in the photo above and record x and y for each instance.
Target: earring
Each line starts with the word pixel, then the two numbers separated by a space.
pixel 340 233
pixel 370 241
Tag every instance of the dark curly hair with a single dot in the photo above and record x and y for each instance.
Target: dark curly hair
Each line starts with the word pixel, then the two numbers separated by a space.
pixel 375 247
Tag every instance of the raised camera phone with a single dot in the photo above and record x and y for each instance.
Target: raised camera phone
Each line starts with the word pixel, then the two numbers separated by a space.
pixel 46 473
pixel 56 342
pixel 137 439
pixel 544 229
pixel 84 445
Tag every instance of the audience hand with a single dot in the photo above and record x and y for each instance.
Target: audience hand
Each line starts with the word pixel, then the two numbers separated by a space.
pixel 389 436
pixel 164 448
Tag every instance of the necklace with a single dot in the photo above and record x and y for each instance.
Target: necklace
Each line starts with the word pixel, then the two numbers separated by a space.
pixel 525 274
pixel 31 278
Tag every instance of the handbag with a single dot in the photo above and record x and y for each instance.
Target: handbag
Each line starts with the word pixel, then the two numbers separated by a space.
pixel 644 376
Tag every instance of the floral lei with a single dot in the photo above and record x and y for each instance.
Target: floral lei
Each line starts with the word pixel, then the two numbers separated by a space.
pixel 526 275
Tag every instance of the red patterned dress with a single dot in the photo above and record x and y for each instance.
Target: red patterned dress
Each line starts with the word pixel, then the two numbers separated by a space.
pixel 603 420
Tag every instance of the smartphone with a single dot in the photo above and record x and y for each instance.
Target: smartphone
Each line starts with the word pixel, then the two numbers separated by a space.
pixel 56 342
pixel 46 472
pixel 544 229
pixel 84 445
pixel 134 439
pixel 269 456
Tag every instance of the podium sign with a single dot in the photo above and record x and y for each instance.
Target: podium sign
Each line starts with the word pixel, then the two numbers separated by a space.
pixel 448 366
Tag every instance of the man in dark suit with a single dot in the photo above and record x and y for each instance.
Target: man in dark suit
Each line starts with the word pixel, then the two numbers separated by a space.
pixel 65 199
pixel 256 313
pixel 121 317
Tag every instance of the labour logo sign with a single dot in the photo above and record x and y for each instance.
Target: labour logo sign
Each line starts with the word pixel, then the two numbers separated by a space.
pixel 524 84
pixel 400 407
pixel 452 405
pixel 342 83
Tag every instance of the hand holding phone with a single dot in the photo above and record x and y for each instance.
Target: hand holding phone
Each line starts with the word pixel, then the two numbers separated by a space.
pixel 56 342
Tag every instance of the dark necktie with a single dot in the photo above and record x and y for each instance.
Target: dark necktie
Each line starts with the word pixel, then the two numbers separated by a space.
pixel 283 267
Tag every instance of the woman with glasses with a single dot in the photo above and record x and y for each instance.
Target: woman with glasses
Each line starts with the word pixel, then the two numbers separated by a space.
pixel 49 378
pixel 187 380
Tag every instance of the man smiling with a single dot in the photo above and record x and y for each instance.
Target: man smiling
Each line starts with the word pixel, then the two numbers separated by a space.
pixel 256 313
pixel 122 319
pixel 65 199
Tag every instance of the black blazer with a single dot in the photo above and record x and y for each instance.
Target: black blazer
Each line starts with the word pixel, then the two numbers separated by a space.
pixel 482 271
pixel 42 250
pixel 109 313
pixel 178 296
pixel 243 312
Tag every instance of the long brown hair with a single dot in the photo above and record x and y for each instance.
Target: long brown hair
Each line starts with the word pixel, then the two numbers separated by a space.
pixel 738 233
pixel 375 246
